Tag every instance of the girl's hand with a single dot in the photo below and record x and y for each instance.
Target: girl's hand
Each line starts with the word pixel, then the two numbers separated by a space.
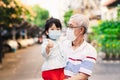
pixel 49 45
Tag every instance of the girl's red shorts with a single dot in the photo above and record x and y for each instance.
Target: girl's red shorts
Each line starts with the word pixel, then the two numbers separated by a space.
pixel 55 74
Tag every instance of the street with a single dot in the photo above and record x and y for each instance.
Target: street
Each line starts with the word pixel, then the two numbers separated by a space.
pixel 25 64
pixel 106 70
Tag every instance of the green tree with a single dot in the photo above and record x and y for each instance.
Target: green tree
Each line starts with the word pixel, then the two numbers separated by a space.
pixel 40 16
pixel 67 16
pixel 118 12
pixel 9 15
pixel 11 12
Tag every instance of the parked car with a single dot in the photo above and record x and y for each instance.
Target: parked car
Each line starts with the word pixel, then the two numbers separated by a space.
pixel 10 45
pixel 22 43
pixel 30 41
pixel 35 39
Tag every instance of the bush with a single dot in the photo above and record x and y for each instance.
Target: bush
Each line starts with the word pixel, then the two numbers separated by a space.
pixel 107 34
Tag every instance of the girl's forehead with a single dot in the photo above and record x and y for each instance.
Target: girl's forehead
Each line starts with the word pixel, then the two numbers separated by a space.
pixel 53 26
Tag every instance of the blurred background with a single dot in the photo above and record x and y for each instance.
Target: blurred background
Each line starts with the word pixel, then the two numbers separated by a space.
pixel 21 34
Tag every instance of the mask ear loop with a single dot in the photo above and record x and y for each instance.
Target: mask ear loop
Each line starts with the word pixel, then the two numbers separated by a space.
pixel 73 42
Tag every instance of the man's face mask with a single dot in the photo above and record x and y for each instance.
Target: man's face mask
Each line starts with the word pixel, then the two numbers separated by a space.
pixel 70 34
pixel 54 34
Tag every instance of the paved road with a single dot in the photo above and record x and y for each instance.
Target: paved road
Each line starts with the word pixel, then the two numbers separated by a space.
pixel 25 64
pixel 106 70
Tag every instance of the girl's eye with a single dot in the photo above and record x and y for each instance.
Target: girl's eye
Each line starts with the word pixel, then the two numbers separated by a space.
pixel 55 29
pixel 51 29
pixel 58 28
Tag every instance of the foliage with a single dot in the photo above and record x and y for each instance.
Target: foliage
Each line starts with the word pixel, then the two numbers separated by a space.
pixel 107 34
pixel 67 16
pixel 118 12
pixel 40 16
pixel 12 11
pixel 12 14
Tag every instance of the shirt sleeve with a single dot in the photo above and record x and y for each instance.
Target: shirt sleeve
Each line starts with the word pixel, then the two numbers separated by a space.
pixel 87 64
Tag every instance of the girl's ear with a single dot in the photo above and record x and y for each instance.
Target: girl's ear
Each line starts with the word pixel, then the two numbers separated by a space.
pixel 46 33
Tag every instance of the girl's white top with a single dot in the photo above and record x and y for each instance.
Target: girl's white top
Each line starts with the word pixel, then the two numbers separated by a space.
pixel 56 57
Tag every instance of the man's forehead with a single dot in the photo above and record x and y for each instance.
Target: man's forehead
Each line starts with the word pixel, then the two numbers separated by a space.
pixel 73 22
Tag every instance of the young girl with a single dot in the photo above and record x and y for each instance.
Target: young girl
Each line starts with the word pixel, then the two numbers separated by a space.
pixel 52 68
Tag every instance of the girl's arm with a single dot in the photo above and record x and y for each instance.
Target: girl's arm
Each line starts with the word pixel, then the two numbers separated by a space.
pixel 46 46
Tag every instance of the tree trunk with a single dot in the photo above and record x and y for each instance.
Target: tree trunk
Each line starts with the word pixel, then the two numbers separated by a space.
pixel 1 54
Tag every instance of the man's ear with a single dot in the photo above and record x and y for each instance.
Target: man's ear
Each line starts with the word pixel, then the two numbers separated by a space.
pixel 82 30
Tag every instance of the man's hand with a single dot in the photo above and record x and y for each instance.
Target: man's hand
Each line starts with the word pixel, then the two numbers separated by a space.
pixel 69 79
pixel 79 76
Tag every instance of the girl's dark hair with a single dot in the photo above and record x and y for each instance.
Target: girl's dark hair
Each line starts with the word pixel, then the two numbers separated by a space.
pixel 50 22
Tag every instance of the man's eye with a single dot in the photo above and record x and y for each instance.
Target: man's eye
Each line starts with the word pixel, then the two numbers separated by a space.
pixel 71 27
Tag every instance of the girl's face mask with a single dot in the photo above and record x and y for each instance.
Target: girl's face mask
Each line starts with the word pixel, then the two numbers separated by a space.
pixel 54 34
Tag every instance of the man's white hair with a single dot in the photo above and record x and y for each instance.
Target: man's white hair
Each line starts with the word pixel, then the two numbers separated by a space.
pixel 81 20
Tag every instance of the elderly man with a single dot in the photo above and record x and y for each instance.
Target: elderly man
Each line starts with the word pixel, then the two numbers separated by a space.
pixel 81 56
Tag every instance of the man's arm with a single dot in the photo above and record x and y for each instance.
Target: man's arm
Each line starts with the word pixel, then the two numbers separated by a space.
pixel 79 76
